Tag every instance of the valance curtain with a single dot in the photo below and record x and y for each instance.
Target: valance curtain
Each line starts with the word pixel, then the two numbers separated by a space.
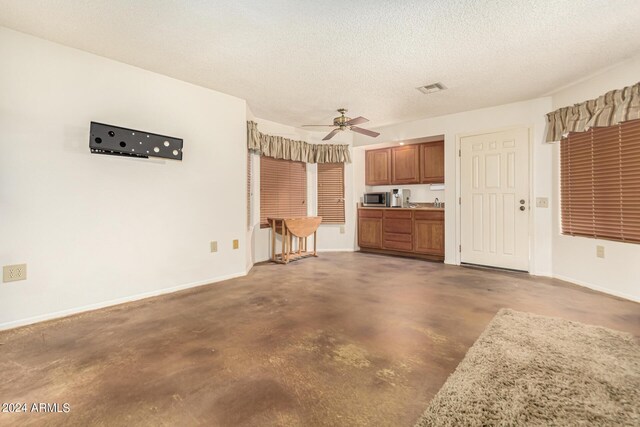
pixel 299 151
pixel 613 107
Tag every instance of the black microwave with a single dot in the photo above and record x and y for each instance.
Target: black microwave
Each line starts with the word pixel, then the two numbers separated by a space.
pixel 376 200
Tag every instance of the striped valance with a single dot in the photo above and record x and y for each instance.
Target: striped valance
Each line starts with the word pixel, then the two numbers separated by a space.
pixel 299 151
pixel 609 109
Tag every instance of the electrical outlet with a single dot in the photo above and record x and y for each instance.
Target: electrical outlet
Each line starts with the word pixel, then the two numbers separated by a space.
pixel 542 202
pixel 600 251
pixel 342 229
pixel 11 273
pixel 214 246
pixel 236 244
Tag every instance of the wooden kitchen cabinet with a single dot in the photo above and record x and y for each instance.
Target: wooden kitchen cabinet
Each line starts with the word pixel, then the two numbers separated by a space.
pixel 428 233
pixel 378 167
pixel 405 164
pixel 409 164
pixel 370 228
pixel 397 227
pixel 432 162
pixel 417 233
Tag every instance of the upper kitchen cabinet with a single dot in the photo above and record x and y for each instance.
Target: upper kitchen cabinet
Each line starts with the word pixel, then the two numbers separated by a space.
pixel 432 162
pixel 405 164
pixel 378 167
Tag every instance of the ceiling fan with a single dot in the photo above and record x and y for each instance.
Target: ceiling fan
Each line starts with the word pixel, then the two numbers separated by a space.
pixel 343 122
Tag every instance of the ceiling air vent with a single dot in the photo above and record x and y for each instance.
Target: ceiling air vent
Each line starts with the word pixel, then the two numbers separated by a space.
pixel 432 88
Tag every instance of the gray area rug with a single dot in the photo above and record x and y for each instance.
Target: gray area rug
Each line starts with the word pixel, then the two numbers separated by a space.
pixel 533 370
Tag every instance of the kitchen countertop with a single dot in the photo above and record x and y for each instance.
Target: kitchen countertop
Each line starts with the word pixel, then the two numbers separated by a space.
pixel 420 207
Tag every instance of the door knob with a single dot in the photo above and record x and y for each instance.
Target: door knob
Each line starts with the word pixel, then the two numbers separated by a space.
pixel 522 208
pixel 522 201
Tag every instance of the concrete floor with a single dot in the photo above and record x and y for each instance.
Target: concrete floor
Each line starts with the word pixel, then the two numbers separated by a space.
pixel 346 339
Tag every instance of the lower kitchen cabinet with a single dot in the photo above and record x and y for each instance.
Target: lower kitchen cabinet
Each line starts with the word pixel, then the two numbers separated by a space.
pixel 397 226
pixel 413 233
pixel 370 228
pixel 428 233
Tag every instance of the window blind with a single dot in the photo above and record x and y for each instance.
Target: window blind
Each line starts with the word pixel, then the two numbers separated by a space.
pixel 331 192
pixel 283 189
pixel 600 182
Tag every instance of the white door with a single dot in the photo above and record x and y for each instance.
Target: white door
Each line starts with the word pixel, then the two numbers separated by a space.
pixel 495 199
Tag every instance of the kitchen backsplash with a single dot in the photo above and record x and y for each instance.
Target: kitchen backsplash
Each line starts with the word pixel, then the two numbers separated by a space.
pixel 420 193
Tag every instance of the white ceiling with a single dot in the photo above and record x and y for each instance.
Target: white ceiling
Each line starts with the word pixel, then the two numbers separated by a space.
pixel 295 62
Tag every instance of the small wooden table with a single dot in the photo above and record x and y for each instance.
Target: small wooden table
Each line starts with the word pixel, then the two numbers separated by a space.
pixel 300 227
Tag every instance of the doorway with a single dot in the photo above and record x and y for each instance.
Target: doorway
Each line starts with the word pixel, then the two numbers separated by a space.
pixel 494 199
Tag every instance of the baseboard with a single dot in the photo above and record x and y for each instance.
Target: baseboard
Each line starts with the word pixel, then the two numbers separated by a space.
pixel 414 255
pixel 336 250
pixel 598 288
pixel 542 274
pixel 117 301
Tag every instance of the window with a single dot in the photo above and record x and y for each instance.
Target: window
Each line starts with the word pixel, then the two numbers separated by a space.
pixel 600 182
pixel 331 192
pixel 283 189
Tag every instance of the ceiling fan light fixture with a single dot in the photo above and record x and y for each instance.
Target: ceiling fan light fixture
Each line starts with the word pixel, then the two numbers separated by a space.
pixel 432 88
pixel 342 123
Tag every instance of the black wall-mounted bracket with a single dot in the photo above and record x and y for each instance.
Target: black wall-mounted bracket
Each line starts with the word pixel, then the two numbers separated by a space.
pixel 117 141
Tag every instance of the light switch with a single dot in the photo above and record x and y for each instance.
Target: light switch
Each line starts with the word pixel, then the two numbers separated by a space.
pixel 236 244
pixel 214 246
pixel 600 251
pixel 542 202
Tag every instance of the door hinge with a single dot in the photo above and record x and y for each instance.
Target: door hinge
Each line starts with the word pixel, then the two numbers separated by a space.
pixel 459 200
pixel 459 248
pixel 459 153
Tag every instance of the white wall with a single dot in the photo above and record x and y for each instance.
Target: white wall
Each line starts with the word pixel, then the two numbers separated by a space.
pixel 96 230
pixel 99 229
pixel 330 237
pixel 529 114
pixel 574 258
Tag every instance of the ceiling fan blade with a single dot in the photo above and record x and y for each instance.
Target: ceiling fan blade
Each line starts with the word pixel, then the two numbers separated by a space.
pixel 357 121
pixel 324 126
pixel 365 131
pixel 331 134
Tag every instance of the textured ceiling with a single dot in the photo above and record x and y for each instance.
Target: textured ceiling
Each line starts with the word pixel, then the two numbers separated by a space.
pixel 295 62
